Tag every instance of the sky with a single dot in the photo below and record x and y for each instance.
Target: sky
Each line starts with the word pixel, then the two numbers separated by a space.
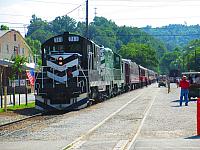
pixel 137 13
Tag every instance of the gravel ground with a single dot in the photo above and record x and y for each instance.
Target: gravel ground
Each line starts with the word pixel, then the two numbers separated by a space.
pixel 165 122
pixel 123 126
pixel 10 116
pixel 66 128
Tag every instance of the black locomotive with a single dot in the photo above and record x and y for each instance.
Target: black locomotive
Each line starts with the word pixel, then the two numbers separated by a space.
pixel 76 71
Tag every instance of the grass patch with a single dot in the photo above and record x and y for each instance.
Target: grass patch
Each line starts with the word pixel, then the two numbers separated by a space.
pixel 16 107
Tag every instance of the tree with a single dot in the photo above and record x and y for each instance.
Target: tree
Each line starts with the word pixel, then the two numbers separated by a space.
pixel 141 54
pixel 35 45
pixel 63 24
pixel 170 60
pixel 35 24
pixel 4 27
pixel 192 55
pixel 17 66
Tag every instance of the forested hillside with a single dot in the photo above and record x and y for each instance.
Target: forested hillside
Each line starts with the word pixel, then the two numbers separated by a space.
pixel 103 32
pixel 175 35
pixel 160 49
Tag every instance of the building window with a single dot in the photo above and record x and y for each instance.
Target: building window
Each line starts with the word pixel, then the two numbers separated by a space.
pixel 16 50
pixel 15 37
pixel 22 50
pixel 7 49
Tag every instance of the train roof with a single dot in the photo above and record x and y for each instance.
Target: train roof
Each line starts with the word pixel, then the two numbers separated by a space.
pixel 129 61
pixel 108 49
pixel 192 72
pixel 67 33
pixel 142 67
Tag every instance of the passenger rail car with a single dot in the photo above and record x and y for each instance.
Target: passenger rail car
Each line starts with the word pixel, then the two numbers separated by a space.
pixel 77 72
pixel 131 74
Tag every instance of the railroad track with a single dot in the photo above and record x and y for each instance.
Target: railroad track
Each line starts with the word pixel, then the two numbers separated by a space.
pixel 122 144
pixel 28 123
pixel 19 120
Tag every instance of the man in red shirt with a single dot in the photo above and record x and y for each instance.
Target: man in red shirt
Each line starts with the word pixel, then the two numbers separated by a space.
pixel 184 84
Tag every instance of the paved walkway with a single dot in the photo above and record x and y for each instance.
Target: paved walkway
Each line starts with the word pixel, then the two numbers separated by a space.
pixel 21 97
pixel 169 126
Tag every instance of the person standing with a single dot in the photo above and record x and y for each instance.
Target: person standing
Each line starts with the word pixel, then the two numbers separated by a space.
pixel 168 85
pixel 184 84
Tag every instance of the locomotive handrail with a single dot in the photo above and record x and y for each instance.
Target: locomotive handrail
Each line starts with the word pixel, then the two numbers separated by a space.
pixel 42 78
pixel 85 78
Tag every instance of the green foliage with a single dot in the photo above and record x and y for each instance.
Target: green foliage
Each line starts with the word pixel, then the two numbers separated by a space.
pixel 35 45
pixel 4 27
pixel 17 66
pixel 103 32
pixel 191 56
pixel 170 60
pixel 17 107
pixel 141 54
pixel 62 24
pixel 175 35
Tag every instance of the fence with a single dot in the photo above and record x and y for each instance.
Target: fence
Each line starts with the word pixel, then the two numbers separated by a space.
pixel 16 95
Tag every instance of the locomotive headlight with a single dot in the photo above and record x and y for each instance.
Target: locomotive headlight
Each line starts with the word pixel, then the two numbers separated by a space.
pixel 60 60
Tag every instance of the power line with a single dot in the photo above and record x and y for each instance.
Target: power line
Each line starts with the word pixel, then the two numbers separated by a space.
pixel 159 18
pixel 15 23
pixel 148 0
pixel 47 2
pixel 73 10
pixel 151 35
pixel 14 15
pixel 141 6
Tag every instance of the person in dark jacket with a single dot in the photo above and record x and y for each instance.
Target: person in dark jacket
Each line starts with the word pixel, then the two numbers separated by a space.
pixel 184 84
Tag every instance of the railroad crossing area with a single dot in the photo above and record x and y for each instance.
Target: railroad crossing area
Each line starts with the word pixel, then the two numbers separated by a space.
pixel 144 119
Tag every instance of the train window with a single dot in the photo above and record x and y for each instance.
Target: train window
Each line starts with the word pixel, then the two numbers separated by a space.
pixel 58 39
pixel 60 47
pixel 117 62
pixel 73 38
pixel 95 51
pixel 89 48
pixel 74 47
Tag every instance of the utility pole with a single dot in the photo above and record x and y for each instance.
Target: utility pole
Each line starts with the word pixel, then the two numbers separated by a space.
pixel 95 12
pixel 195 57
pixel 86 32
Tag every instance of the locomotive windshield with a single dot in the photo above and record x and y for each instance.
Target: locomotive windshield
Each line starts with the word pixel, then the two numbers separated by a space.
pixel 72 44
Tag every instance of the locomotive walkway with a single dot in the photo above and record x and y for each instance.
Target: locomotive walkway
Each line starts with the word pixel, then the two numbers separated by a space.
pixel 143 119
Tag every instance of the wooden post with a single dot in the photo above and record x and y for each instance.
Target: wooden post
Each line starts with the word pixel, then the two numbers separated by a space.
pixel 14 95
pixel 1 101
pixel 5 98
pixel 198 116
pixel 26 95
pixel 19 99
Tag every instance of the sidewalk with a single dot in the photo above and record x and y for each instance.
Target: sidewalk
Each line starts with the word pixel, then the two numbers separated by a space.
pixel 169 126
pixel 30 98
